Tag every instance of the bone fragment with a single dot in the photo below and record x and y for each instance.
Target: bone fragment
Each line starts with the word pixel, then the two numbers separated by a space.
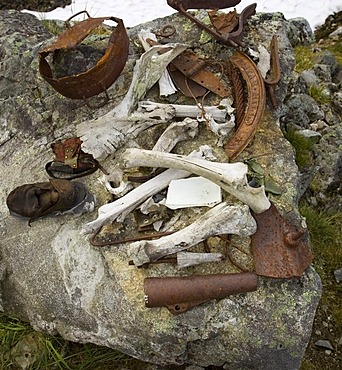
pixel 186 259
pixel 116 177
pixel 104 135
pixel 151 110
pixel 147 71
pixel 166 86
pixel 176 132
pixel 121 207
pixel 232 177
pixel 222 219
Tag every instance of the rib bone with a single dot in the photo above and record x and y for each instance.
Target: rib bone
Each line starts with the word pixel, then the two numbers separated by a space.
pixel 222 219
pixel 232 177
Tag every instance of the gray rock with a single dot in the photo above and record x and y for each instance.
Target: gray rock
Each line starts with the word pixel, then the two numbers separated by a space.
pixel 313 136
pixel 55 279
pixel 302 110
pixel 309 77
pixel 324 344
pixel 338 275
pixel 337 32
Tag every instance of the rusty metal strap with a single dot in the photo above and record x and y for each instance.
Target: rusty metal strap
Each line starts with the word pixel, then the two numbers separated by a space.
pixel 96 79
pixel 191 66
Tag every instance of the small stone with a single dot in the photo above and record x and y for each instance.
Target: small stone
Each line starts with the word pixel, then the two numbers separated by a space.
pixel 324 344
pixel 328 352
pixel 337 32
pixel 318 332
pixel 311 135
pixel 325 324
pixel 338 275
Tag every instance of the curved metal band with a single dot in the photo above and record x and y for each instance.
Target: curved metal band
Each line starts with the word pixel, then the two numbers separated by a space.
pixel 98 78
pixel 256 100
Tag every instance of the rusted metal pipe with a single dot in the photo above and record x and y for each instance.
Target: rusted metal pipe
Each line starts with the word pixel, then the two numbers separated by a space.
pixel 179 294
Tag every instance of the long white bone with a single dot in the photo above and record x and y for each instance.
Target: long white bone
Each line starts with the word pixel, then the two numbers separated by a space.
pixel 222 219
pixel 121 207
pixel 152 110
pixel 232 177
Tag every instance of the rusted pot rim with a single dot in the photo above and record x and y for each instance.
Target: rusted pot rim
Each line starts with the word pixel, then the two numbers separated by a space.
pixel 98 78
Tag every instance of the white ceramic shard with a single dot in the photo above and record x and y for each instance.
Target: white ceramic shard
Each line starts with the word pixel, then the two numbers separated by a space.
pixel 192 192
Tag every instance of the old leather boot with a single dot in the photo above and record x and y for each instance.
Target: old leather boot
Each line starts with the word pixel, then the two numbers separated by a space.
pixel 46 198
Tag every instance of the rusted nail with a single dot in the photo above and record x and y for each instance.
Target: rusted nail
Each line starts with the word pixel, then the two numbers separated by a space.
pixel 274 78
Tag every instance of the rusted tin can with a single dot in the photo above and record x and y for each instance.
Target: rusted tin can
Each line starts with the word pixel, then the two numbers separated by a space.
pixel 179 294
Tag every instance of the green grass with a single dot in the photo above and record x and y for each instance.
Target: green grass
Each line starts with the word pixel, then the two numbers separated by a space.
pixel 318 93
pixel 19 342
pixel 325 230
pixel 304 57
pixel 302 146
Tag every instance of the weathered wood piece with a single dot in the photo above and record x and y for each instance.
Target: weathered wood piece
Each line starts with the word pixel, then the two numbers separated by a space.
pixel 232 177
pixel 222 219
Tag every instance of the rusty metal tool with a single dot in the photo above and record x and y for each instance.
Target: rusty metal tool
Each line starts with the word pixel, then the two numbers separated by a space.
pixel 179 294
pixel 234 38
pixel 256 99
pixel 274 78
pixel 278 248
pixel 96 79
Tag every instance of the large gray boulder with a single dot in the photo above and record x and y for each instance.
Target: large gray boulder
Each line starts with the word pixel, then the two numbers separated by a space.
pixel 55 279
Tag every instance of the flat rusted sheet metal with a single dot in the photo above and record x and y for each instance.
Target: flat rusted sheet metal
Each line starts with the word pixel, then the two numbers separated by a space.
pixel 102 75
pixel 189 65
pixel 179 294
pixel 278 248
pixel 256 100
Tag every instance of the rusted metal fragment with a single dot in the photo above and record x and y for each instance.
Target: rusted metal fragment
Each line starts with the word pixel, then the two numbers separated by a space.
pixel 98 78
pixel 179 294
pixel 234 38
pixel 224 22
pixel 237 35
pixel 274 77
pixel 189 67
pixel 256 99
pixel 278 248
pixel 202 4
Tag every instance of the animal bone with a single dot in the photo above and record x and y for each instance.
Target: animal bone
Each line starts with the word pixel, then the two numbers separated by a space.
pixel 121 207
pixel 165 112
pixel 166 86
pixel 104 135
pixel 222 219
pixel 176 132
pixel 232 177
pixel 186 259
